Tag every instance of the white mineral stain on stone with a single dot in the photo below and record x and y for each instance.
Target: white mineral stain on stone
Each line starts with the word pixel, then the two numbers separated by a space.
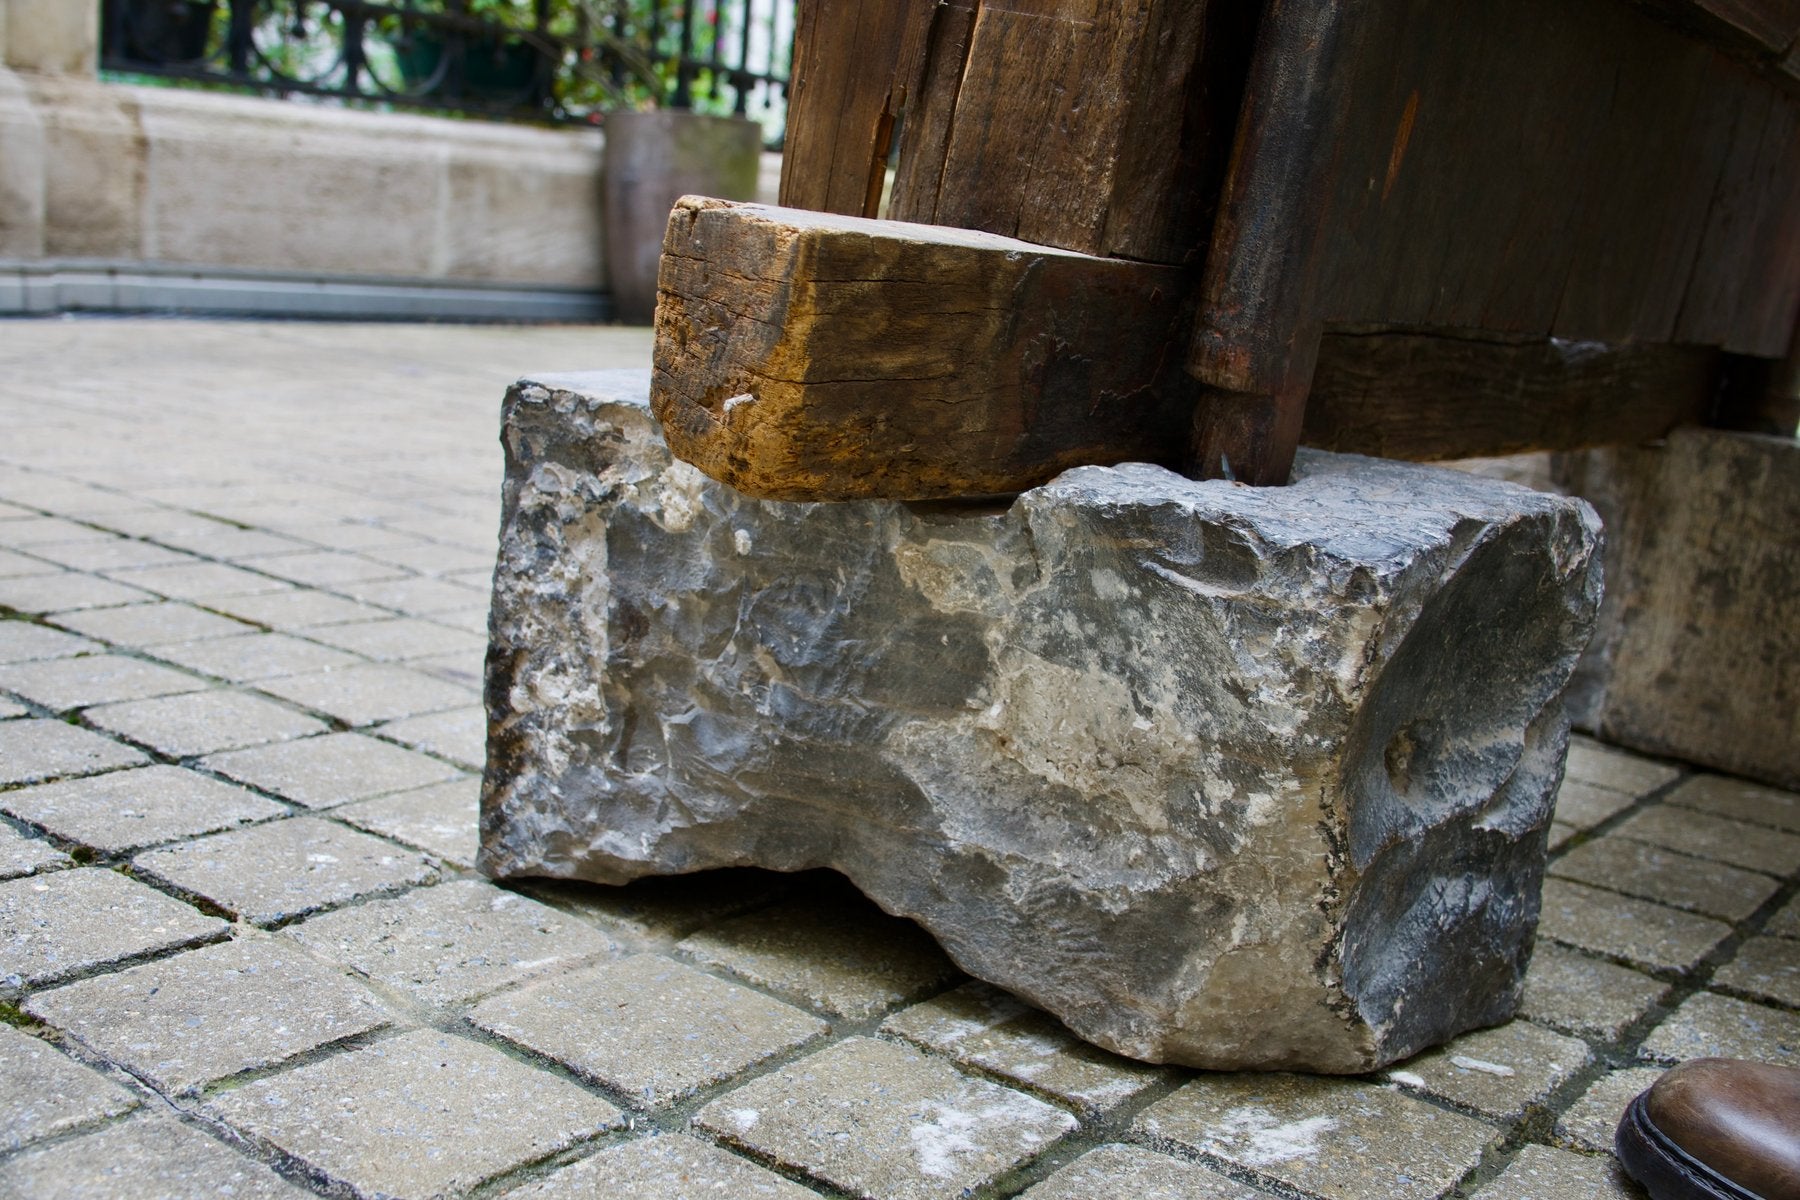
pixel 947 1132
pixel 1264 1138
pixel 734 402
pixel 1109 585
pixel 678 496
pixel 741 540
pixel 743 1119
pixel 953 577
pixel 1407 1078
pixel 1482 1065
pixel 944 1135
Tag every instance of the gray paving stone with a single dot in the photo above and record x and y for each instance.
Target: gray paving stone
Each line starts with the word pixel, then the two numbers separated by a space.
pixel 47 531
pixel 10 709
pixel 847 957
pixel 272 872
pixel 1325 1137
pixel 72 498
pixel 1620 770
pixel 200 581
pixel 1585 805
pixel 13 565
pixel 66 592
pixel 459 735
pixel 667 1166
pixel 111 554
pixel 1766 967
pixel 442 820
pixel 433 558
pixel 198 1017
pixel 367 695
pixel 421 1114
pixel 158 624
pixel 472 527
pixel 229 542
pixel 323 568
pixel 468 668
pixel 453 942
pixel 1667 877
pixel 321 772
pixel 982 1026
pixel 48 1093
pixel 663 909
pixel 1497 1072
pixel 1540 1173
pixel 126 810
pixel 301 608
pixel 255 656
pixel 201 722
pixel 400 638
pixel 884 1121
pixel 24 641
pixel 148 1157
pixel 473 619
pixel 1786 922
pixel 348 535
pixel 1571 991
pixel 419 597
pixel 55 924
pixel 1740 800
pixel 1709 1025
pixel 1588 1124
pixel 22 855
pixel 647 1026
pixel 1131 1171
pixel 43 748
pixel 64 683
pixel 1717 838
pixel 161 524
pixel 1607 923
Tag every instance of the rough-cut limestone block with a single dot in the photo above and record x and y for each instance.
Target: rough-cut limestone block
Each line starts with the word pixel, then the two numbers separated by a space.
pixel 1217 775
pixel 1698 650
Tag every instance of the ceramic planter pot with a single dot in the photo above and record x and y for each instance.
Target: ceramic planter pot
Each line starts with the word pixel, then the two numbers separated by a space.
pixel 651 160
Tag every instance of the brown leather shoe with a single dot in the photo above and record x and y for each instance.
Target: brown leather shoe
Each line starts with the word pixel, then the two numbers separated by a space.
pixel 1715 1129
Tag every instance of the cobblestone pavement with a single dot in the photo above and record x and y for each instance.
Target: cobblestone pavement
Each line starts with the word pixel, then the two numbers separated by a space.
pixel 243 575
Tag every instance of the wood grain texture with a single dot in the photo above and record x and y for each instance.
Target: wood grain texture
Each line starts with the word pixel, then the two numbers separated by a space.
pixel 1766 27
pixel 842 103
pixel 1074 123
pixel 809 356
pixel 1430 396
pixel 1257 328
pixel 1582 171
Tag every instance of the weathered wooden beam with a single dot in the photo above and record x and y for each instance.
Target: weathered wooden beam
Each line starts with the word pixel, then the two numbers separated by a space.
pixel 1102 128
pixel 812 356
pixel 1259 326
pixel 842 102
pixel 1435 396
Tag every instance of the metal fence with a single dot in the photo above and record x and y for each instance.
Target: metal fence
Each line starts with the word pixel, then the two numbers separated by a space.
pixel 559 61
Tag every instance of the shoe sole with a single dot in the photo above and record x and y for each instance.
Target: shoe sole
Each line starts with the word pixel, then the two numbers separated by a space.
pixel 1664 1169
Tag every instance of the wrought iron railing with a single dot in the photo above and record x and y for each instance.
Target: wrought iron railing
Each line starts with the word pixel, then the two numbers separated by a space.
pixel 562 61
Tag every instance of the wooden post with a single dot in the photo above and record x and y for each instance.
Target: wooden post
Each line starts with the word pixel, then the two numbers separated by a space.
pixel 842 101
pixel 1257 334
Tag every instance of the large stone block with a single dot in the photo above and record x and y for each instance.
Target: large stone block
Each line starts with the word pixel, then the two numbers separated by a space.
pixel 1217 775
pixel 21 170
pixel 1698 650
